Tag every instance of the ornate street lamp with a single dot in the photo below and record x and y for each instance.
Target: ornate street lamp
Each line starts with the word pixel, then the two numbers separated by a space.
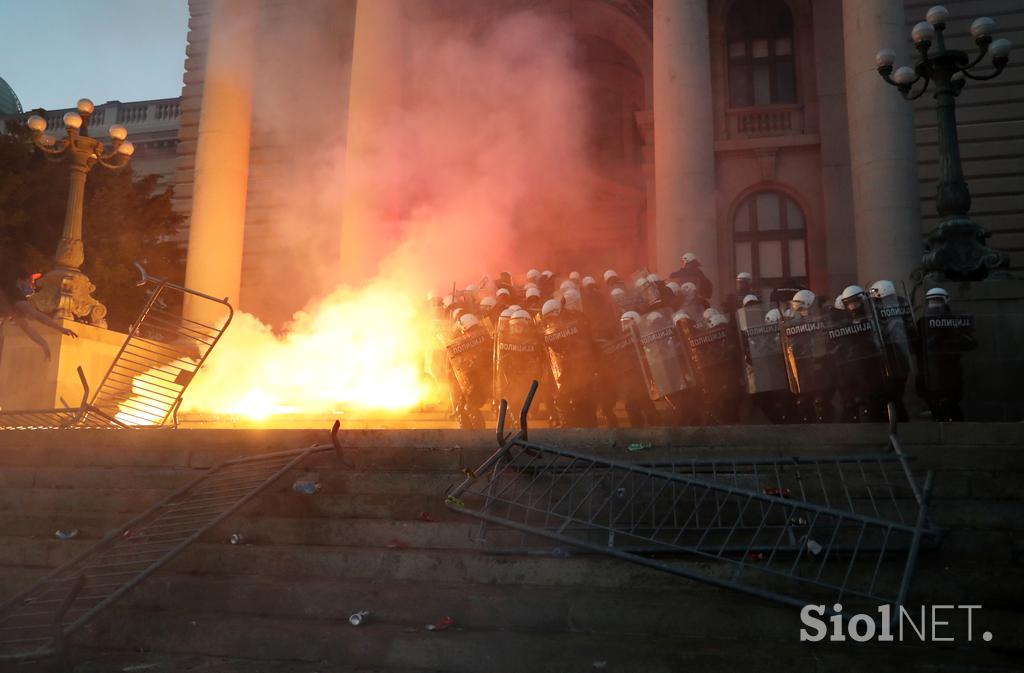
pixel 956 248
pixel 65 292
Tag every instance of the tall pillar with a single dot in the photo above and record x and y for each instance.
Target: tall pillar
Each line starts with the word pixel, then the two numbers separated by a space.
pixel 375 95
pixel 217 228
pixel 684 152
pixel 886 205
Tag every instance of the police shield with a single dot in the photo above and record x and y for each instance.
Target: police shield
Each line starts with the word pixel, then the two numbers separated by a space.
pixel 567 343
pixel 470 357
pixel 663 354
pixel 625 371
pixel 715 354
pixel 944 338
pixel 805 346
pixel 520 361
pixel 898 333
pixel 856 351
pixel 761 343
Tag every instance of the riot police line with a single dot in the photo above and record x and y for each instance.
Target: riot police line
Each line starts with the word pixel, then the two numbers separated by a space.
pixel 667 357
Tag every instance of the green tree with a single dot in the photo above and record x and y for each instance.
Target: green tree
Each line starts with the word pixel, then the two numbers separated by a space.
pixel 126 220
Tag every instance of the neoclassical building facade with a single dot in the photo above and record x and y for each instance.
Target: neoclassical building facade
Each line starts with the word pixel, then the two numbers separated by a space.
pixel 755 133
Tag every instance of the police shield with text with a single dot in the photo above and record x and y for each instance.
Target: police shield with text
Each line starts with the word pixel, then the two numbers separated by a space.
pixel 899 338
pixel 945 336
pixel 519 358
pixel 763 362
pixel 856 347
pixel 569 348
pixel 663 357
pixel 715 353
pixel 806 348
pixel 470 354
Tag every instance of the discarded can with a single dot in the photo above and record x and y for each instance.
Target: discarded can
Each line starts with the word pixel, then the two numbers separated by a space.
pixel 306 487
pixel 236 538
pixel 359 618
pixel 640 446
pixel 443 625
pixel 66 534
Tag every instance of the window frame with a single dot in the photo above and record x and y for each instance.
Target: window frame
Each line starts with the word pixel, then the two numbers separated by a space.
pixel 746 30
pixel 755 236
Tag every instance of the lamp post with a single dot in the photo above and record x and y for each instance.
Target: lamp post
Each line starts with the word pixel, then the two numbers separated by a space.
pixel 956 248
pixel 65 292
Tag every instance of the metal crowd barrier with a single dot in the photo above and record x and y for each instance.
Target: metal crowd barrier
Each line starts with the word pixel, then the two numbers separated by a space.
pixel 145 383
pixel 833 530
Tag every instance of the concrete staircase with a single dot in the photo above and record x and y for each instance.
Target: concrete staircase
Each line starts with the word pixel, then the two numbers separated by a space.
pixel 377 537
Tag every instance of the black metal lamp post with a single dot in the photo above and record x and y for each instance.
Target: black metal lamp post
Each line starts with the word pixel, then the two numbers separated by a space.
pixel 65 292
pixel 956 248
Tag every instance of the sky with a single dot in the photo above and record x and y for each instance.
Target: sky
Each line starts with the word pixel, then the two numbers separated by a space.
pixel 53 53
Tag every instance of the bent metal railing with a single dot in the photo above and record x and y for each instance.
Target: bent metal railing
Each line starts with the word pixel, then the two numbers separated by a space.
pixel 146 381
pixel 35 623
pixel 796 531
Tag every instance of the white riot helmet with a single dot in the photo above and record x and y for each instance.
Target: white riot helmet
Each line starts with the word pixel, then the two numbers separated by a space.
pixel 507 313
pixel 609 274
pixel 881 289
pixel 519 321
pixel 744 275
pixel 567 285
pixel 852 292
pixel 457 313
pixel 618 293
pixel 588 281
pixel 628 319
pixel 547 273
pixel 487 303
pixel 653 278
pixel 680 316
pixel 718 319
pixel 674 286
pixel 502 292
pixel 802 300
pixel 838 304
pixel 533 275
pixel 654 317
pixel 573 300
pixel 688 290
pixel 574 276
pixel 751 299
pixel 709 312
pixel 515 307
pixel 551 307
pixel 468 321
pixel 772 316
pixel 532 291
pixel 689 258
pixel 937 294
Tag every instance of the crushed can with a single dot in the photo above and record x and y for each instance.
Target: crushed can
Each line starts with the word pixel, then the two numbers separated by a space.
pixel 306 487
pixel 236 538
pixel 359 618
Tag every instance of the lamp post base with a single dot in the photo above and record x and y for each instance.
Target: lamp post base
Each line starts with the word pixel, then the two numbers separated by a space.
pixel 957 251
pixel 66 293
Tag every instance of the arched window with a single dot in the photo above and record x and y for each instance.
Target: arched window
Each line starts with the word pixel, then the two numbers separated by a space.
pixel 770 239
pixel 759 39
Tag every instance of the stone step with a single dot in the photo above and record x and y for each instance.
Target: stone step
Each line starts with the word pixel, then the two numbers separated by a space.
pixel 466 650
pixel 937 578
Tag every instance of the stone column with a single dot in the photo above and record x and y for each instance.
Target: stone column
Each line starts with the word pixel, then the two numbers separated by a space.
pixel 886 205
pixel 375 94
pixel 217 227
pixel 684 152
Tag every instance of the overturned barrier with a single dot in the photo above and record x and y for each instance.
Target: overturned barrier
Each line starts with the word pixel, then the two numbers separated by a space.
pixel 844 530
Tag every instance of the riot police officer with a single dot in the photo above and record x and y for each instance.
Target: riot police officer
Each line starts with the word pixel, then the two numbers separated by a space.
pixel 859 358
pixel 470 356
pixel 570 351
pixel 808 361
pixel 898 333
pixel 944 338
